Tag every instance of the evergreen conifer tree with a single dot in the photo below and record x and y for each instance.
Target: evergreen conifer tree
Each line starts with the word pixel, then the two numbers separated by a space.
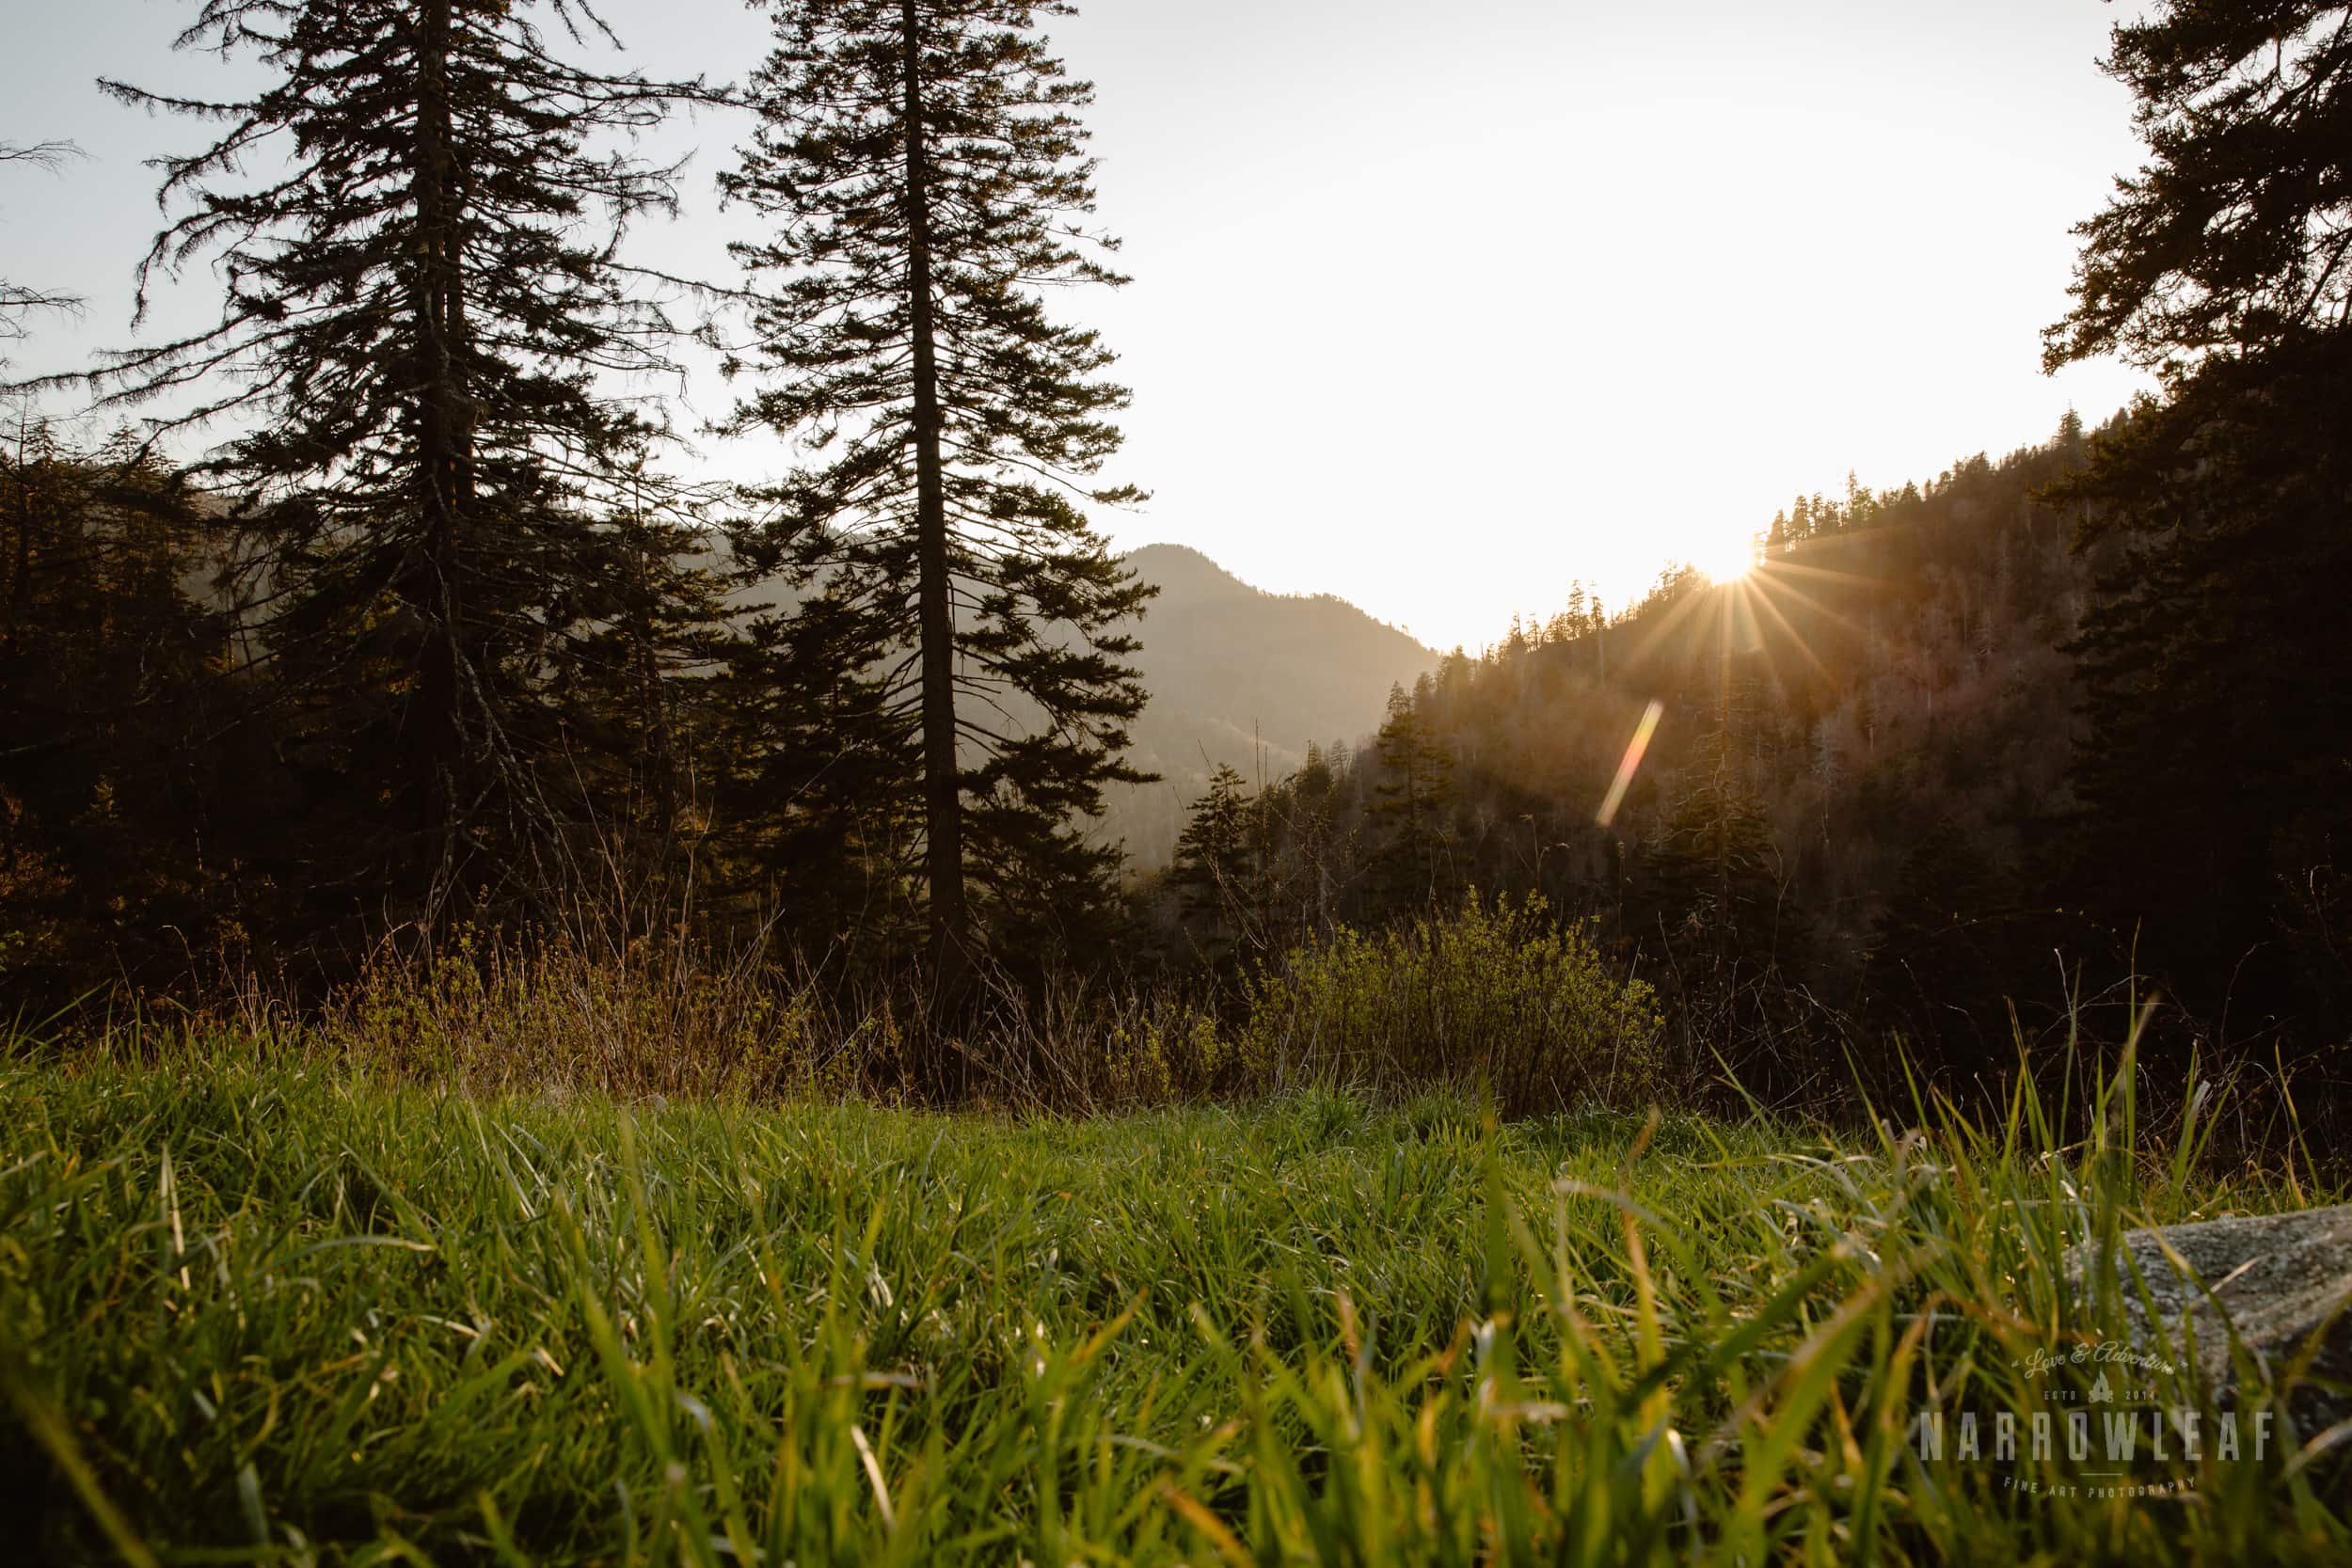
pixel 1314 845
pixel 1711 867
pixel 2212 660
pixel 920 162
pixel 1412 804
pixel 821 792
pixel 1220 869
pixel 2236 237
pixel 415 218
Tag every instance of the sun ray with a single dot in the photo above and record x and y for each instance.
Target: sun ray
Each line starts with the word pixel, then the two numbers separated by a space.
pixel 1682 611
pixel 1775 585
pixel 1782 567
pixel 1795 636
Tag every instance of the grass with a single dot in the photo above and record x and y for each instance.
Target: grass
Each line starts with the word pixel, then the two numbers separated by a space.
pixel 269 1313
pixel 1497 993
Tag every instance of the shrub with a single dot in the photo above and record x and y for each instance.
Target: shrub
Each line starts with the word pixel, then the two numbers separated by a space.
pixel 1495 993
pixel 494 1015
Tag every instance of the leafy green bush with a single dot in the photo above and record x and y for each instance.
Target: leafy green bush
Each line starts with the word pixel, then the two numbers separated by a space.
pixel 1499 993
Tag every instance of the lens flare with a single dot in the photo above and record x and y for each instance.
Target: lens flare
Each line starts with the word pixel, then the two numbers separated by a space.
pixel 1624 781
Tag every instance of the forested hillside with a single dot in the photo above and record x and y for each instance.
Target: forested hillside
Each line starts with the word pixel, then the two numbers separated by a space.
pixel 1856 802
pixel 1246 679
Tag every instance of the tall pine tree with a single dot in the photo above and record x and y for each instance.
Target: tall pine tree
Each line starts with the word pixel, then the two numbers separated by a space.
pixel 920 163
pixel 1222 871
pixel 2236 236
pixel 1412 804
pixel 423 319
pixel 2217 689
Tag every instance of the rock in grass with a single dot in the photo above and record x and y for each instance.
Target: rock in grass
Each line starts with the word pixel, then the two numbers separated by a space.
pixel 2281 1278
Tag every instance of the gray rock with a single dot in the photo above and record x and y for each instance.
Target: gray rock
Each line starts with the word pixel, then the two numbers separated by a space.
pixel 2281 1278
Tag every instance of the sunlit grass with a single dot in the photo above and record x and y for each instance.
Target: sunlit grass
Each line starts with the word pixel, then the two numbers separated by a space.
pixel 262 1314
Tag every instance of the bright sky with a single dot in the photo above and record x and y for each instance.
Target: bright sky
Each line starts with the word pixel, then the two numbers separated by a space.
pixel 1435 308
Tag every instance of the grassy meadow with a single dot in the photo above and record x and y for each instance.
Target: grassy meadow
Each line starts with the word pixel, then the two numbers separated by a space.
pixel 281 1313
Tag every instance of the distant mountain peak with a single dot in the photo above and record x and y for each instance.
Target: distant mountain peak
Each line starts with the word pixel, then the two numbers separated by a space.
pixel 1183 570
pixel 1245 677
pixel 1180 568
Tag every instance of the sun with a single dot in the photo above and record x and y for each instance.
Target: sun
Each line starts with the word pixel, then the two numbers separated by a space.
pixel 1727 561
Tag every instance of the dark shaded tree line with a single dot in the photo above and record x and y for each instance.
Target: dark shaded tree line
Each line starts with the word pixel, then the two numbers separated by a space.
pixel 436 619
pixel 435 635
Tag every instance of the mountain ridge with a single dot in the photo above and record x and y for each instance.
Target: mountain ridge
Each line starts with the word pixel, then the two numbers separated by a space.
pixel 1243 677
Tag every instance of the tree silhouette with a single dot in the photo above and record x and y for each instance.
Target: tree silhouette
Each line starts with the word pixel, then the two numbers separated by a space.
pixel 2236 236
pixel 2212 656
pixel 1224 869
pixel 1411 807
pixel 920 163
pixel 424 313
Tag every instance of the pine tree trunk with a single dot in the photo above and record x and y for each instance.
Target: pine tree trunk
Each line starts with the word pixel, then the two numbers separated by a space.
pixel 655 771
pixel 943 797
pixel 21 568
pixel 444 429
